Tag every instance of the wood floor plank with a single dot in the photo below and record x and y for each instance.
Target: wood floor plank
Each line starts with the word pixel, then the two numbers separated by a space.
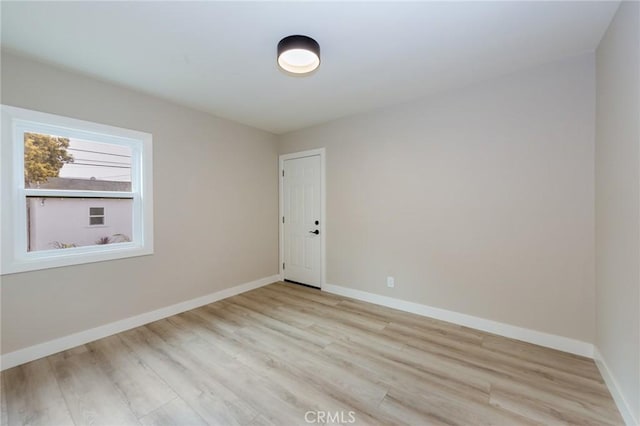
pixel 207 331
pixel 499 372
pixel 216 319
pixel 214 402
pixel 455 412
pixel 267 364
pixel 175 412
pixel 408 416
pixel 281 327
pixel 274 354
pixel 316 394
pixel 547 412
pixel 262 421
pixel 519 379
pixel 4 418
pixel 392 372
pixel 270 311
pixel 499 362
pixel 270 399
pixel 306 293
pixel 328 311
pixel 404 319
pixel 143 389
pixel 576 364
pixel 33 396
pixel 314 367
pixel 91 397
pixel 272 365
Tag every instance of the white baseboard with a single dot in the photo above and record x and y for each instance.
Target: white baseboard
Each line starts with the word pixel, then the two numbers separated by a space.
pixel 520 333
pixel 616 393
pixel 34 352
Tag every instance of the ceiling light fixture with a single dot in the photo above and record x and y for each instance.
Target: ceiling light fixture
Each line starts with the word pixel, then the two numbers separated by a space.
pixel 298 54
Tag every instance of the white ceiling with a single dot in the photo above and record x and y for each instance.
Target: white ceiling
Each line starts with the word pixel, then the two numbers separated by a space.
pixel 219 57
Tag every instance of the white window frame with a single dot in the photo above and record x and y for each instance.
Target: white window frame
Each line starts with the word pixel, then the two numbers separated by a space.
pixel 13 227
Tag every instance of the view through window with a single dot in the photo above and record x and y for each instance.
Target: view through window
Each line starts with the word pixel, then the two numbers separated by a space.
pixel 78 173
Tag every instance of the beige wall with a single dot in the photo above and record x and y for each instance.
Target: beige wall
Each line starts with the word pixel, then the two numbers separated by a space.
pixel 478 201
pixel 618 201
pixel 215 192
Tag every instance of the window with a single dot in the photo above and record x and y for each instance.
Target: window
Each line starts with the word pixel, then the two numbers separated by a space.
pixel 75 192
pixel 96 215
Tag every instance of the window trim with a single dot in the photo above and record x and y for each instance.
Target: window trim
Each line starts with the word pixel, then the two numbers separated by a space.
pixel 13 247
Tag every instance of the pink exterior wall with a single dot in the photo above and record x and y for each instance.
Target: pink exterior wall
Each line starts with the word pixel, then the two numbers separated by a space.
pixel 67 221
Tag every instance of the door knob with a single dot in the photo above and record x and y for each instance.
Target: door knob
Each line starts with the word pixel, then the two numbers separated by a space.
pixel 314 232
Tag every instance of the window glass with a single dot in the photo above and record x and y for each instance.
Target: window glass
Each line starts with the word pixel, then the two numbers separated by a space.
pixel 59 222
pixel 96 220
pixel 54 162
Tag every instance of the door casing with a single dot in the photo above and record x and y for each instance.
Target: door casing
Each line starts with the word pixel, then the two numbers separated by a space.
pixel 323 209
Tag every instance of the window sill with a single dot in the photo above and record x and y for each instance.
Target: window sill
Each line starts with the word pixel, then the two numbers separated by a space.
pixel 73 256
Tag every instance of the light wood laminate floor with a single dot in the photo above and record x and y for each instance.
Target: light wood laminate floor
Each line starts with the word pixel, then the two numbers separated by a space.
pixel 279 353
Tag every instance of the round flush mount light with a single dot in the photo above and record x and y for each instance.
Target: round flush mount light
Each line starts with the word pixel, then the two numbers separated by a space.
pixel 298 54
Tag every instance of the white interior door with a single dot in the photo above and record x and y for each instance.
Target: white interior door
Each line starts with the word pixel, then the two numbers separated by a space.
pixel 302 227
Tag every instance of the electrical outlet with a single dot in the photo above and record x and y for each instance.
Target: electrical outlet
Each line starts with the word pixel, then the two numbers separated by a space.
pixel 391 282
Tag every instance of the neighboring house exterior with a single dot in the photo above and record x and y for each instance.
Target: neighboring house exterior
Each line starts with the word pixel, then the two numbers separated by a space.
pixel 66 222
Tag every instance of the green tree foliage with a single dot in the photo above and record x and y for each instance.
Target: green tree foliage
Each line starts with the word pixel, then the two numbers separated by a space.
pixel 44 156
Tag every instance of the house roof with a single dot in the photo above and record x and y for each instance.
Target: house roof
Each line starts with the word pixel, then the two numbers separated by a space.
pixel 84 184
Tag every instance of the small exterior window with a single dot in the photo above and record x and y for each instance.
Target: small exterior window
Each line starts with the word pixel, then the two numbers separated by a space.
pixel 55 170
pixel 96 215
